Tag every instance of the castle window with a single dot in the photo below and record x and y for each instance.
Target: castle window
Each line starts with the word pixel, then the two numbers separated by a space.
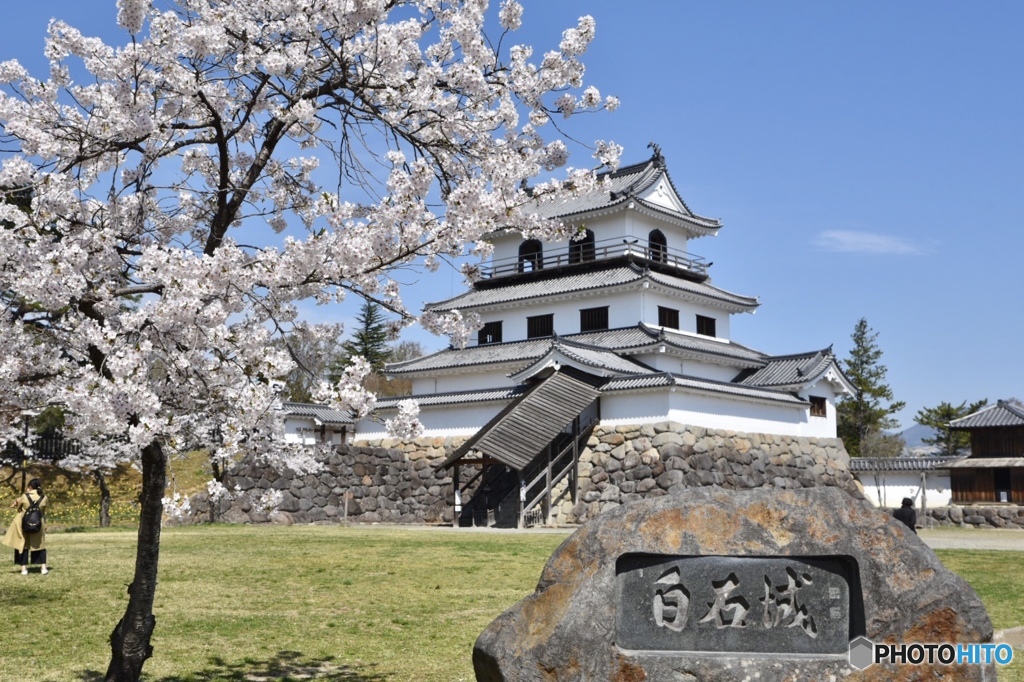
pixel 531 255
pixel 540 326
pixel 593 319
pixel 818 406
pixel 668 317
pixel 705 325
pixel 489 333
pixel 583 249
pixel 657 246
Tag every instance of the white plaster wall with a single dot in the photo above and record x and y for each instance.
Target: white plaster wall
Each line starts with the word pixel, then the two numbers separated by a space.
pixel 306 431
pixel 666 362
pixel 463 420
pixel 621 225
pixel 888 488
pixel 823 427
pixel 449 383
pixel 688 311
pixel 702 410
pixel 625 309
pixel 300 430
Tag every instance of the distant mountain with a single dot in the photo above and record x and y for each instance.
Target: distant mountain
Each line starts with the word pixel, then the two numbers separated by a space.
pixel 915 435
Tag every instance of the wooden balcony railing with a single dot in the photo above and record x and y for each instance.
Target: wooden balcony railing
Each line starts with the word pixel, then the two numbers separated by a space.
pixel 589 252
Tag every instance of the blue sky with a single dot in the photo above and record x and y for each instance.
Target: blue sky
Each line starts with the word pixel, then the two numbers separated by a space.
pixel 866 159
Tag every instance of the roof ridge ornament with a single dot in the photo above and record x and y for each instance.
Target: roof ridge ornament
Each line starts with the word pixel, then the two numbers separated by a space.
pixel 656 157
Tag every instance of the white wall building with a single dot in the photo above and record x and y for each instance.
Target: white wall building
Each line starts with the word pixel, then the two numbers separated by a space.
pixel 925 480
pixel 310 424
pixel 627 310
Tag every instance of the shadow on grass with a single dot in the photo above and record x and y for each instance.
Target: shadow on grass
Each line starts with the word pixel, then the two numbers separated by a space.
pixel 284 666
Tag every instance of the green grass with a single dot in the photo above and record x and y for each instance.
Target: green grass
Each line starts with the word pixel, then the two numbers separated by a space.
pixel 332 603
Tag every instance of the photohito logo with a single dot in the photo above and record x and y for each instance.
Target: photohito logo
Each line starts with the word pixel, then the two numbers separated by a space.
pixel 864 652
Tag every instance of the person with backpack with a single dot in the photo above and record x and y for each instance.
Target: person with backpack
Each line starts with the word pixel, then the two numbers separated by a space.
pixel 27 532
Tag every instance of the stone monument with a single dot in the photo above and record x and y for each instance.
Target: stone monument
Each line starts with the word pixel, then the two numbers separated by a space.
pixel 710 584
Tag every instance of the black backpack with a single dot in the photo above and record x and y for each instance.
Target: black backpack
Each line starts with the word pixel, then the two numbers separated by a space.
pixel 32 521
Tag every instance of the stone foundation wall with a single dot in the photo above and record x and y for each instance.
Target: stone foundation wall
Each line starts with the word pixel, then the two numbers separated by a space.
pixel 398 481
pixel 627 463
pixel 1002 516
pixel 392 482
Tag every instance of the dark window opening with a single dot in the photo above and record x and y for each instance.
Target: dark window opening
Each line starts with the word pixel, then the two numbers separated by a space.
pixel 657 246
pixel 489 333
pixel 594 319
pixel 531 255
pixel 705 325
pixel 540 326
pixel 1001 478
pixel 582 250
pixel 668 317
pixel 818 406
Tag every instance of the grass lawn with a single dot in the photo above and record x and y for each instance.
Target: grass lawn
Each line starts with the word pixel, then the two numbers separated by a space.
pixel 332 603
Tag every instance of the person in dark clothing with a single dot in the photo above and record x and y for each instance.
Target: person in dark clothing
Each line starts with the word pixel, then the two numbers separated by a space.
pixel 906 514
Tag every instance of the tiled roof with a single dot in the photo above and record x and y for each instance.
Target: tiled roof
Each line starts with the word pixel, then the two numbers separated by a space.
pixel 989 463
pixel 538 288
pixel 692 383
pixel 1001 414
pixel 588 281
pixel 455 398
pixel 527 425
pixel 321 413
pixel 705 290
pixel 644 337
pixel 600 358
pixel 789 370
pixel 487 354
pixel 621 186
pixel 623 341
pixel 901 463
pixel 592 360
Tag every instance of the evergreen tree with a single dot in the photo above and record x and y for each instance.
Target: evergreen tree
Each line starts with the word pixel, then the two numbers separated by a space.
pixel 315 356
pixel 950 442
pixel 370 340
pixel 866 410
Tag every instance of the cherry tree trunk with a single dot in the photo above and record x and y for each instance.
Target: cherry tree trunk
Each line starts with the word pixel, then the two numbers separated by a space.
pixel 129 642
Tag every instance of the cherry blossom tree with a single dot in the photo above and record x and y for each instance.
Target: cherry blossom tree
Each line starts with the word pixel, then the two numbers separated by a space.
pixel 228 160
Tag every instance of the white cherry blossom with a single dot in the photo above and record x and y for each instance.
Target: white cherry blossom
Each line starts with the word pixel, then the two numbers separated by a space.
pixel 169 200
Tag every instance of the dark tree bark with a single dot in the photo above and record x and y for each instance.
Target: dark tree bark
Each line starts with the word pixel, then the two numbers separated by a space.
pixel 101 481
pixel 130 641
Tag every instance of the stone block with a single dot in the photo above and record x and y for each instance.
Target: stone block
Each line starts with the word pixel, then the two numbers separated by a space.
pixel 670 478
pixel 673 589
pixel 666 438
pixel 280 517
pixel 640 473
pixel 289 503
pixel 646 484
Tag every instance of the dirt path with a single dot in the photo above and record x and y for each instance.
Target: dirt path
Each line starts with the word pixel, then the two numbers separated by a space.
pixel 973 538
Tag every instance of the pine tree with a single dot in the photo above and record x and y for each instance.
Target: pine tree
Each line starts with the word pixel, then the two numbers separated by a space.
pixel 370 340
pixel 866 410
pixel 949 442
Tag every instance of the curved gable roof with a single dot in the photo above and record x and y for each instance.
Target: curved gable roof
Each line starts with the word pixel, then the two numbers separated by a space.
pixel 801 369
pixel 617 188
pixel 591 281
pixel 1003 413
pixel 624 341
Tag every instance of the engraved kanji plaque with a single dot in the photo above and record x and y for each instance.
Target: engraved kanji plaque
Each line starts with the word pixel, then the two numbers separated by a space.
pixel 759 604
